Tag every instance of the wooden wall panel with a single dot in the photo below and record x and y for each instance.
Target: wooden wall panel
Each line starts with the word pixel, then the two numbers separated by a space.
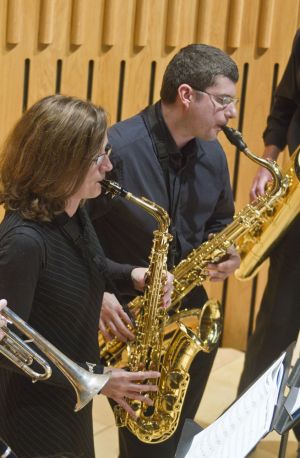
pixel 115 53
pixel 14 25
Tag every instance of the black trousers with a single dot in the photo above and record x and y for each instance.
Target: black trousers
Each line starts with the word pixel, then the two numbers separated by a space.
pixel 130 446
pixel 278 320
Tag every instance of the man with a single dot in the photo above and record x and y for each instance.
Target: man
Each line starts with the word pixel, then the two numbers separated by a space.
pixel 278 320
pixel 169 154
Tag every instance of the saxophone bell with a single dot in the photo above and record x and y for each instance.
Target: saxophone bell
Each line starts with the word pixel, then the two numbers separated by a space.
pixel 206 323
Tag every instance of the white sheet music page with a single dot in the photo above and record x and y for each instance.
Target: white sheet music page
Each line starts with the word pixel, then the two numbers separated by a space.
pixel 239 429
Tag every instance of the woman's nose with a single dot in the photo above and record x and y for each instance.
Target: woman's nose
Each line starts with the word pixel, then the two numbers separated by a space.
pixel 106 164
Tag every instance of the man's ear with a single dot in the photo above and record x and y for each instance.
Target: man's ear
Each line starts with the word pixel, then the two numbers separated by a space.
pixel 185 94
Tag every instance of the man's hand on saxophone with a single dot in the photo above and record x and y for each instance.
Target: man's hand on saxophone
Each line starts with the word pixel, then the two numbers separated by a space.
pixel 114 321
pixel 219 271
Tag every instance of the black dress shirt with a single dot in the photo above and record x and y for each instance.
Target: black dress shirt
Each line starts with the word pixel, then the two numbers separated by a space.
pixel 53 276
pixel 284 119
pixel 199 188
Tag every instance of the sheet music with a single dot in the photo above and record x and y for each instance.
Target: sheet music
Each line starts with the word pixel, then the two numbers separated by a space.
pixel 239 429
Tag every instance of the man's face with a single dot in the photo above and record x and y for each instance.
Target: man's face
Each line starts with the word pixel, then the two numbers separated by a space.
pixel 209 111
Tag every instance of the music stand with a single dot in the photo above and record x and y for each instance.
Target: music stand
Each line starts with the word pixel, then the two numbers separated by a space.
pixel 194 441
pixel 286 420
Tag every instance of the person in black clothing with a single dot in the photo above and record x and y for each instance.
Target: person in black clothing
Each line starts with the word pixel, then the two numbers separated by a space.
pixel 169 154
pixel 278 320
pixel 53 272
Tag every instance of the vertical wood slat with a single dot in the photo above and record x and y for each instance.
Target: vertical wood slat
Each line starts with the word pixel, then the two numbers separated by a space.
pixel 265 24
pixel 14 22
pixel 78 22
pixel 235 24
pixel 141 27
pixel 204 21
pixel 173 23
pixel 110 22
pixel 46 28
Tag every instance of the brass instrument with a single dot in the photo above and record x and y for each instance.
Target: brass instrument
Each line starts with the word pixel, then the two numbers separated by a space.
pixel 282 207
pixel 206 323
pixel 85 383
pixel 6 451
pixel 149 350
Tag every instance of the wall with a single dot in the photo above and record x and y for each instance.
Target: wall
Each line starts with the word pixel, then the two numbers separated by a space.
pixel 114 52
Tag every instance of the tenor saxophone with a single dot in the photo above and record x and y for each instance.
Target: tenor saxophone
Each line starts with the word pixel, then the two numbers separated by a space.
pixel 149 351
pixel 206 323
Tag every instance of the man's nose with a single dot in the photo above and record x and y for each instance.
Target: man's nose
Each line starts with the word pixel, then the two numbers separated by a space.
pixel 231 110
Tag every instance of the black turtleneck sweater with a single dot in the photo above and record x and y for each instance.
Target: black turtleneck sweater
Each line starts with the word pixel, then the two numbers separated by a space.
pixel 53 275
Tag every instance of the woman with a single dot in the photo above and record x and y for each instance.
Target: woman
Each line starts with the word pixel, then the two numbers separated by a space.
pixel 53 271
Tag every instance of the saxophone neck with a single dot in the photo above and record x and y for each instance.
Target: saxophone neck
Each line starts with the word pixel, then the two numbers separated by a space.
pixel 235 137
pixel 115 190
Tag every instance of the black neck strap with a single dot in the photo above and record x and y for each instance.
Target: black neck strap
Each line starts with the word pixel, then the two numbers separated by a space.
pixel 159 135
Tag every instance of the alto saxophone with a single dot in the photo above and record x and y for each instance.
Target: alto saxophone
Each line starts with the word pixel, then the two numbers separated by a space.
pixel 149 351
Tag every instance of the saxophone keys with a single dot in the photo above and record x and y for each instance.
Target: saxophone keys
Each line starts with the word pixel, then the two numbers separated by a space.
pixel 169 402
pixel 174 379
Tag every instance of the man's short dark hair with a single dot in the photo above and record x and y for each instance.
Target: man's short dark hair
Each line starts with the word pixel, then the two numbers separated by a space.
pixel 197 65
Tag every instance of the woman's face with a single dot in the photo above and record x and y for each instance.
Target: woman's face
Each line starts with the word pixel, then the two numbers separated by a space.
pixel 91 186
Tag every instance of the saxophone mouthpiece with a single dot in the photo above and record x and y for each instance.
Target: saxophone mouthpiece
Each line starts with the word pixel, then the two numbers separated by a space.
pixel 113 188
pixel 235 137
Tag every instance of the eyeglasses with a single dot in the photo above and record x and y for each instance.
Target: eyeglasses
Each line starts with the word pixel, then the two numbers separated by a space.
pixel 222 100
pixel 99 158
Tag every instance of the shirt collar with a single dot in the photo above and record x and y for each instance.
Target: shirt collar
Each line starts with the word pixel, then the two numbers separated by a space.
pixel 178 157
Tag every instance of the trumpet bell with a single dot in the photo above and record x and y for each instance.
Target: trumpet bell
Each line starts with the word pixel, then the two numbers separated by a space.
pixel 85 383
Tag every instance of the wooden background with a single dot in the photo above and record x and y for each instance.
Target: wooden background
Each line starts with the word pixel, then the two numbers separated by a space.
pixel 114 52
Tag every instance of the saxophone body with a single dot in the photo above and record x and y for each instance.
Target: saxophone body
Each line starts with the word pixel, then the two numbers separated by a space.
pixel 282 207
pixel 206 323
pixel 149 350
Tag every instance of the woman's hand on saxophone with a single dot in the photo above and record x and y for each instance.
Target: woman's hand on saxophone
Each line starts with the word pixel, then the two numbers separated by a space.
pixel 123 384
pixel 3 322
